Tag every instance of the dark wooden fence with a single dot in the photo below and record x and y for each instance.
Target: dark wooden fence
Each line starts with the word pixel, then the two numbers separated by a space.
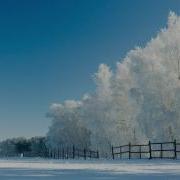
pixel 162 150
pixel 71 153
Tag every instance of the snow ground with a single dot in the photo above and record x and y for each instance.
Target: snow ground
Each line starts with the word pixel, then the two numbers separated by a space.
pixel 39 169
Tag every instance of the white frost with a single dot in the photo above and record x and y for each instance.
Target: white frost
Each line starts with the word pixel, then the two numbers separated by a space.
pixel 138 101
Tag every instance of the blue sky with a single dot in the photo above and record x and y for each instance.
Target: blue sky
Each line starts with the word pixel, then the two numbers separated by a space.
pixel 49 50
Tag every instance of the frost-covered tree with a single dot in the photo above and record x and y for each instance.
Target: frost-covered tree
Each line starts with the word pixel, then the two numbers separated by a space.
pixel 138 101
pixel 67 127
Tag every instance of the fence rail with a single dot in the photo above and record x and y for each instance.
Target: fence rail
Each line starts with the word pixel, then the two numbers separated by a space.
pixel 151 150
pixel 71 153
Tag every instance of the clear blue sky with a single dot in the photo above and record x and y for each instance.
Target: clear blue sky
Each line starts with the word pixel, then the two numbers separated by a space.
pixel 49 50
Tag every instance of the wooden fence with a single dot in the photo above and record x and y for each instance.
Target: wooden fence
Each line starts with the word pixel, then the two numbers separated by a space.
pixel 71 153
pixel 162 150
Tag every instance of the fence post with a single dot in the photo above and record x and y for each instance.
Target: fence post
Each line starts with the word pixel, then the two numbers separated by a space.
pixel 85 154
pixel 112 152
pixel 73 152
pixel 48 153
pixel 97 154
pixel 150 155
pixel 140 151
pixel 67 153
pixel 58 153
pixel 55 153
pixel 120 152
pixel 129 150
pixel 175 152
pixel 51 154
pixel 63 153
pixel 90 154
pixel 78 153
pixel 161 152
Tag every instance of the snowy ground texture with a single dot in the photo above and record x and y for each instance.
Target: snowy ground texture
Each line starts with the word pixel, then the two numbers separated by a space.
pixel 33 169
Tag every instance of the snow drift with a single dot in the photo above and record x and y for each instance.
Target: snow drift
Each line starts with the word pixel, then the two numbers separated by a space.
pixel 138 101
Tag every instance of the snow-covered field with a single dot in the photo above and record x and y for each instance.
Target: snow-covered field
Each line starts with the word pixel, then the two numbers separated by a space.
pixel 33 169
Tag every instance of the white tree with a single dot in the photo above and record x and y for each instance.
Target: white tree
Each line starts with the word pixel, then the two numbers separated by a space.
pixel 140 100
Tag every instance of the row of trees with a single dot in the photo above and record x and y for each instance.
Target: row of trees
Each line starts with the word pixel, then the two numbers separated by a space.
pixel 138 101
pixel 33 147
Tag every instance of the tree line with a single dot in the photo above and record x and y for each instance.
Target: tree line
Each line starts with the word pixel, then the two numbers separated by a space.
pixel 32 147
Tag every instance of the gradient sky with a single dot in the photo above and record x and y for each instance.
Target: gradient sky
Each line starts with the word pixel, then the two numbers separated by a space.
pixel 49 50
